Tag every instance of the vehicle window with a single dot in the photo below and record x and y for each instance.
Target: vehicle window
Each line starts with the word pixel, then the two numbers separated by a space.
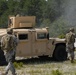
pixel 41 36
pixel 10 22
pixel 23 36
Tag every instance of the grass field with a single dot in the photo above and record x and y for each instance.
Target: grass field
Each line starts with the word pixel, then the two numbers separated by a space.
pixel 36 66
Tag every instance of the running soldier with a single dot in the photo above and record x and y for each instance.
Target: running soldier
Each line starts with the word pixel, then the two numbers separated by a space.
pixel 70 40
pixel 8 45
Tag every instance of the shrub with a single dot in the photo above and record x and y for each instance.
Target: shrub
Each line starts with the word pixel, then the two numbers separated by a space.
pixel 18 65
pixel 56 72
pixel 61 36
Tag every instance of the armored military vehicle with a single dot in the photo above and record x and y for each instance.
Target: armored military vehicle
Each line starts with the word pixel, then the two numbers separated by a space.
pixel 34 42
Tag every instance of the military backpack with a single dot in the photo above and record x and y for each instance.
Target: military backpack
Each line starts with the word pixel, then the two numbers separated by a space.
pixel 8 42
pixel 70 38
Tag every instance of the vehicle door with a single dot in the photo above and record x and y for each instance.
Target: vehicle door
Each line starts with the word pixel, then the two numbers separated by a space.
pixel 40 44
pixel 24 45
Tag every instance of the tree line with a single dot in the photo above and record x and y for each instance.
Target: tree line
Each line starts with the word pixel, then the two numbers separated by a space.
pixel 48 13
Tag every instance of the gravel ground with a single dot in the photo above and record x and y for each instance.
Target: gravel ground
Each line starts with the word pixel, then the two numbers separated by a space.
pixel 38 66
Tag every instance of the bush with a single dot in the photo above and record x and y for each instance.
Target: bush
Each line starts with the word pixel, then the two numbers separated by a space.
pixel 61 36
pixel 18 65
pixel 56 72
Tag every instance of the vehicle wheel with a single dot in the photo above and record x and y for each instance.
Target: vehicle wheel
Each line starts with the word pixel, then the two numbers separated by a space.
pixel 2 58
pixel 60 53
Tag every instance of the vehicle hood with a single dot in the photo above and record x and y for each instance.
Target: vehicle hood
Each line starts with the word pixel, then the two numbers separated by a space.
pixel 58 40
pixel 2 32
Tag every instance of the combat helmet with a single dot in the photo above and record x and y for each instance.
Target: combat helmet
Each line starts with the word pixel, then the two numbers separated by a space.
pixel 9 30
pixel 72 29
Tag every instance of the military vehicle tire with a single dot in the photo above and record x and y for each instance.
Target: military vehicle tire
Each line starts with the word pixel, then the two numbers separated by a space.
pixel 2 58
pixel 60 53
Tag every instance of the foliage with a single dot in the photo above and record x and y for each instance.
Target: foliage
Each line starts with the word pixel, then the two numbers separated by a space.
pixel 61 36
pixel 56 28
pixel 48 13
pixel 18 65
pixel 56 72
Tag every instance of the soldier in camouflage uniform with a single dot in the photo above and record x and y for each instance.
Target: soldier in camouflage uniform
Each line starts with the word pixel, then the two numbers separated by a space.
pixel 70 39
pixel 9 54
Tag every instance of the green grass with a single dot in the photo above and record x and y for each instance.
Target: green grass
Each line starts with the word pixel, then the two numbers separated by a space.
pixel 56 72
pixel 18 65
pixel 45 68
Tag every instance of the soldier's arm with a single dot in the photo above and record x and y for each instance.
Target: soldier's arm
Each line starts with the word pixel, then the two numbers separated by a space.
pixel 16 40
pixel 2 42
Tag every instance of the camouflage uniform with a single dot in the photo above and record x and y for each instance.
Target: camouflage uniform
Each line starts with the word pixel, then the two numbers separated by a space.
pixel 9 54
pixel 70 45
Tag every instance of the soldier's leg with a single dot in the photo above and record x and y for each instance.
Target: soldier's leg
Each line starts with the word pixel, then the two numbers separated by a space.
pixel 69 55
pixel 7 68
pixel 72 56
pixel 10 65
pixel 68 51
pixel 12 68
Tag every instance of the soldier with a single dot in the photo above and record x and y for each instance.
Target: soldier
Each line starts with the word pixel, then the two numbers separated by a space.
pixel 70 39
pixel 8 45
